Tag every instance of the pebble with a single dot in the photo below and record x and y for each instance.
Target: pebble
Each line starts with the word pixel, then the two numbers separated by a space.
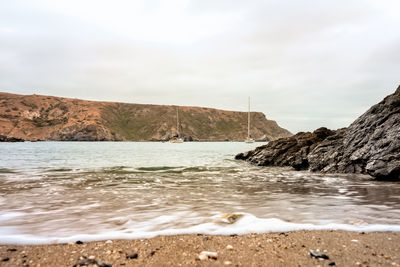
pixel 132 256
pixel 318 255
pixel 5 259
pixel 229 247
pixel 208 254
pixel 227 262
pixel 332 263
pixel 79 242
pixel 91 257
pixel 108 242
pixel 203 257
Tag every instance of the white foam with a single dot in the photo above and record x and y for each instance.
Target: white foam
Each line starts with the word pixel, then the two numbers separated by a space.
pixel 247 224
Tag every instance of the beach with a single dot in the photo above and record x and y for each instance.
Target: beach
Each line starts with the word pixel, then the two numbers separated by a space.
pixel 330 248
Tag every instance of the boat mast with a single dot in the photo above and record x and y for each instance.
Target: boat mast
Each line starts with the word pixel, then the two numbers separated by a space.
pixel 248 122
pixel 177 120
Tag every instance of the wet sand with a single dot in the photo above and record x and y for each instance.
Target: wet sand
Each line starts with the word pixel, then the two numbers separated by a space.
pixel 271 249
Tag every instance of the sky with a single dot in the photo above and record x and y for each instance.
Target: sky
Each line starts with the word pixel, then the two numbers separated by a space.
pixel 305 64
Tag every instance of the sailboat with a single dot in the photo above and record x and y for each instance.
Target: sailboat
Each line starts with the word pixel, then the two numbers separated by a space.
pixel 177 139
pixel 248 139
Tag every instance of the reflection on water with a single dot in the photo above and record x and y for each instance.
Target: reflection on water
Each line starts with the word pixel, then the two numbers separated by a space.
pixel 62 189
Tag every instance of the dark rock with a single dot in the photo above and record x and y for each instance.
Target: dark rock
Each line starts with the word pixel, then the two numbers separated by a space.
pixel 79 242
pixel 83 132
pixel 316 254
pixel 12 249
pixel 132 256
pixel 370 145
pixel 4 138
pixel 332 263
pixel 290 151
pixel 5 259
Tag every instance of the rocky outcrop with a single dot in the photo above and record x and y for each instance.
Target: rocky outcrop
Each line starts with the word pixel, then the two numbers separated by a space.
pixel 292 151
pixel 37 117
pixel 370 145
pixel 83 132
pixel 4 138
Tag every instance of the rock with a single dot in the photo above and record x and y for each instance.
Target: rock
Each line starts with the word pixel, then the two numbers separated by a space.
pixel 227 262
pixel 132 256
pixel 4 138
pixel 91 262
pixel 82 132
pixel 332 263
pixel 5 259
pixel 229 247
pixel 370 145
pixel 316 254
pixel 79 242
pixel 230 218
pixel 208 255
pixel 291 151
pixel 203 257
pixel 108 242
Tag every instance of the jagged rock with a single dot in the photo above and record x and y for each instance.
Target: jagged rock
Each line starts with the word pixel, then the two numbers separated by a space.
pixel 291 151
pixel 370 145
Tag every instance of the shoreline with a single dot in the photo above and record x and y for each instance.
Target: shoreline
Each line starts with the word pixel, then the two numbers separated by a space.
pixel 343 248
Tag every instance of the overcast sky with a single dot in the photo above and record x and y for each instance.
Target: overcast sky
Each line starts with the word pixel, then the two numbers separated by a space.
pixel 305 64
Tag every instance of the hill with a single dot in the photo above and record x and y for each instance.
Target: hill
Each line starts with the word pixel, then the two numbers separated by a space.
pixel 39 117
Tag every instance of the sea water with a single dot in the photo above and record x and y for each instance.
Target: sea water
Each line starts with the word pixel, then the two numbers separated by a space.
pixel 65 191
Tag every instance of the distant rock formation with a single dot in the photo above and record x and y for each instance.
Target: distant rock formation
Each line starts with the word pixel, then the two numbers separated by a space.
pixel 4 138
pixel 37 117
pixel 370 145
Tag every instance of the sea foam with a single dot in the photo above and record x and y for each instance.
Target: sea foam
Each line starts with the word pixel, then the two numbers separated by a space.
pixel 245 225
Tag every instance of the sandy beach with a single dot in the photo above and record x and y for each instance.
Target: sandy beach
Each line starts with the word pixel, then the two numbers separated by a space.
pixel 330 248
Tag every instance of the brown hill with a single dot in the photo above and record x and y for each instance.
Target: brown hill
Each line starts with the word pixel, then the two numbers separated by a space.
pixel 38 117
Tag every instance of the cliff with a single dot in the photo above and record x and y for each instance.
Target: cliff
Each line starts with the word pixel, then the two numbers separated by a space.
pixel 370 145
pixel 38 117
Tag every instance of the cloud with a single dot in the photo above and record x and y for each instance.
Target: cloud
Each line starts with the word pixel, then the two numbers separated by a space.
pixel 305 64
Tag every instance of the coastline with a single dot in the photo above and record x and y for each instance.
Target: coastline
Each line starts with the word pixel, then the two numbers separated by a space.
pixel 270 249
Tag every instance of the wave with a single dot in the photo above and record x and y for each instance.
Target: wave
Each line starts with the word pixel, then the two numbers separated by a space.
pixel 162 169
pixel 5 170
pixel 60 170
pixel 247 224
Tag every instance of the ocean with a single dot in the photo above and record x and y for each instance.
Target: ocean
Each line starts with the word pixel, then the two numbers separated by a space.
pixel 56 192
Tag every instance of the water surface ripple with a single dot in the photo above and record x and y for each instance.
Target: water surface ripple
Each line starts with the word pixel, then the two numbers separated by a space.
pixel 62 189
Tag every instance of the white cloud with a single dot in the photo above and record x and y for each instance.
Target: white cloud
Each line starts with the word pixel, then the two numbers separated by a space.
pixel 305 64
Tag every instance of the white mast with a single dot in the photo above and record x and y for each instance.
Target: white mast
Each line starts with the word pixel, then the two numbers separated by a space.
pixel 248 140
pixel 177 120
pixel 248 122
